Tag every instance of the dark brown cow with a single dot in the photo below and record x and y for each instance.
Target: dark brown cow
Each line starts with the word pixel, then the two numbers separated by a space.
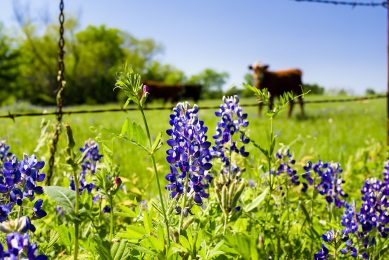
pixel 173 93
pixel 159 90
pixel 278 83
pixel 191 92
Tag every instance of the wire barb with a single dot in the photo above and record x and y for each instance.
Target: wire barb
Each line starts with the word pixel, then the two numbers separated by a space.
pixel 383 4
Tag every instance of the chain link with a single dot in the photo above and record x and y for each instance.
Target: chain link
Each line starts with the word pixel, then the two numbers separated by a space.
pixel 59 94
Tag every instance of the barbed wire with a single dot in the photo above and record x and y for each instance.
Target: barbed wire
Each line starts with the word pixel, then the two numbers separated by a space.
pixel 60 89
pixel 352 4
pixel 96 111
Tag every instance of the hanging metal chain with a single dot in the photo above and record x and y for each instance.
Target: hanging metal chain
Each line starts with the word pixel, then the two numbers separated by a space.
pixel 59 94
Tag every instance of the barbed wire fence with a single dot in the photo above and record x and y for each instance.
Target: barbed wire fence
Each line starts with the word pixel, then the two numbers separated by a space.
pixel 12 116
pixel 352 4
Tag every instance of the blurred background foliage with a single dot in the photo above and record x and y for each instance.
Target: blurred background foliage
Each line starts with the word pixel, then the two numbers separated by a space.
pixel 28 65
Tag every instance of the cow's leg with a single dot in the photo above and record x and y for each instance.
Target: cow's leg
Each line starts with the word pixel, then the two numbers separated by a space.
pixel 260 105
pixel 291 104
pixel 271 103
pixel 301 101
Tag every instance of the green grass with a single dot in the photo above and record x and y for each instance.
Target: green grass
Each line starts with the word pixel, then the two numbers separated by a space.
pixel 331 132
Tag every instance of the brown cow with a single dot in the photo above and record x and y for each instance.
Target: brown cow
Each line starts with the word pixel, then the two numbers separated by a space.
pixel 278 83
pixel 173 93
pixel 159 90
pixel 192 91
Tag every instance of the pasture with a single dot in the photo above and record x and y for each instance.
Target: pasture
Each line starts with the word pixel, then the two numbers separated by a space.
pixel 331 132
pixel 269 216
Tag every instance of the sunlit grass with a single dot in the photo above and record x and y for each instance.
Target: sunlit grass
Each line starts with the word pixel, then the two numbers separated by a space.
pixel 333 131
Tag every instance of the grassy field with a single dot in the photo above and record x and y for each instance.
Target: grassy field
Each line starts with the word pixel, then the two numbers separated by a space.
pixel 331 132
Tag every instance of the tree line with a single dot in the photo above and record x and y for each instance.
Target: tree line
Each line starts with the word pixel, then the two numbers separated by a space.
pixel 28 65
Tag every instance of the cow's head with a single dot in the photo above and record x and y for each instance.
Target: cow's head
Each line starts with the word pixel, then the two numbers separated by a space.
pixel 258 71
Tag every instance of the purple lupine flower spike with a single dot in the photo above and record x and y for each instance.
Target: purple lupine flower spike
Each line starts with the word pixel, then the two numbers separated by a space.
pixel 330 181
pixel 89 161
pixel 232 121
pixel 286 163
pixel 189 155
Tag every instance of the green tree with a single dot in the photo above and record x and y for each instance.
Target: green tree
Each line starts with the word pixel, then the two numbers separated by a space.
pixel 97 54
pixel 92 58
pixel 313 89
pixel 370 91
pixel 165 73
pixel 212 82
pixel 8 68
pixel 38 65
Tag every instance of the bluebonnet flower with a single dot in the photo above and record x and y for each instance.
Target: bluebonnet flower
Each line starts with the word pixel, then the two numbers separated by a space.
pixel 4 154
pixel 252 183
pixel 59 210
pixel 349 220
pixel 38 211
pixel 322 254
pixel 18 246
pixel 4 212
pixel 375 206
pixel 106 209
pixel 91 156
pixel 329 236
pixel 230 141
pixel 189 156
pixel 330 181
pixel 89 161
pixel 286 163
pixel 232 122
pixel 386 174
pixel 19 180
pixel 371 220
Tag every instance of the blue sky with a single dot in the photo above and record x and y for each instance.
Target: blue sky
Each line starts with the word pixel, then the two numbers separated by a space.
pixel 335 46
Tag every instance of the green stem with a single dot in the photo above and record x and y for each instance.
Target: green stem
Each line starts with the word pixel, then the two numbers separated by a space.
pixel 100 210
pixel 20 213
pixel 156 175
pixel 270 154
pixel 288 204
pixel 76 209
pixel 225 223
pixel 312 204
pixel 183 203
pixel 111 227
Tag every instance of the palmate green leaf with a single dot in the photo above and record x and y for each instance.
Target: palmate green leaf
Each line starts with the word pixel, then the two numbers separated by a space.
pixel 64 197
pixel 156 243
pixel 157 143
pixel 144 250
pixel 134 133
pixel 185 243
pixel 146 222
pixel 177 248
pixel 257 201
pixel 126 212
pixel 133 232
pixel 127 103
pixel 124 127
